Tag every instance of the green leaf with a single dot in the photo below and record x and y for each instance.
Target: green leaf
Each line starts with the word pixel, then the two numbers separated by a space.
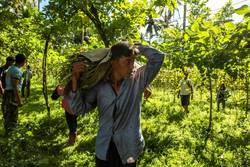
pixel 195 26
pixel 242 10
pixel 203 34
pixel 170 31
pixel 215 30
pixel 208 24
pixel 247 15
pixel 230 26
pixel 29 133
pixel 186 37
pixel 248 26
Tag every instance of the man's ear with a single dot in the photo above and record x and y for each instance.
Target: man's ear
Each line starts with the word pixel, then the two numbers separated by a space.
pixel 113 61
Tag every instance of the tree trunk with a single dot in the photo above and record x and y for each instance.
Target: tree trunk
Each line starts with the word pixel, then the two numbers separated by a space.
pixel 45 90
pixel 174 98
pixel 211 102
pixel 201 92
pixel 38 4
pixel 247 91
pixel 92 14
pixel 184 16
pixel 167 18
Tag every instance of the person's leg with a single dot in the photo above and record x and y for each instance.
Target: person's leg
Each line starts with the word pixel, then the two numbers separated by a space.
pixel 23 87
pixel 186 108
pixel 12 117
pixel 218 105
pixel 3 106
pixel 220 101
pixel 101 163
pixel 28 88
pixel 71 122
pixel 223 104
pixel 130 165
pixel 185 102
pixel 6 108
pixel 11 113
pixel 113 156
pixel 72 125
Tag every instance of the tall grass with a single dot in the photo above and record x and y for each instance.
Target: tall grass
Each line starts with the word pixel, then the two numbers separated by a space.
pixel 173 138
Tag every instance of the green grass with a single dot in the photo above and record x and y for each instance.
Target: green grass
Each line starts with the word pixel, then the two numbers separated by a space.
pixel 172 137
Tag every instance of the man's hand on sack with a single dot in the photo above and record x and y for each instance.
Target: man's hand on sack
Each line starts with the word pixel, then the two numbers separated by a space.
pixel 78 68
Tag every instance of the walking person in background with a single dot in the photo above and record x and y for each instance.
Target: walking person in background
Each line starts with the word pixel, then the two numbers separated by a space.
pixel 222 95
pixel 11 97
pixel 186 90
pixel 27 75
pixel 71 119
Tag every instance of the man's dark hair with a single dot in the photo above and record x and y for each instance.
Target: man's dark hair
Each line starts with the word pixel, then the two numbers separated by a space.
pixel 122 49
pixel 20 58
pixel 28 66
pixel 10 59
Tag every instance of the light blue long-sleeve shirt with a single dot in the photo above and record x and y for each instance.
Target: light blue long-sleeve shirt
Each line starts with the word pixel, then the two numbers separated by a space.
pixel 124 126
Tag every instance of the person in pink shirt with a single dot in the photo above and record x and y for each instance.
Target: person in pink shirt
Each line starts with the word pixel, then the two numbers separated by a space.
pixel 70 118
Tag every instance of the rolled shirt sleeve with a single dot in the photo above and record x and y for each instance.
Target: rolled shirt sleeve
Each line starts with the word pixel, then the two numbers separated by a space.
pixel 149 71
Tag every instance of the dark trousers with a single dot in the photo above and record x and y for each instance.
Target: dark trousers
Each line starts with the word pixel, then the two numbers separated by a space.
pixel 71 122
pixel 185 100
pixel 27 85
pixel 113 158
pixel 10 111
pixel 223 102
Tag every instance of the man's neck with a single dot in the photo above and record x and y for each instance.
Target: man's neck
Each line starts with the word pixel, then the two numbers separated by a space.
pixel 18 65
pixel 115 78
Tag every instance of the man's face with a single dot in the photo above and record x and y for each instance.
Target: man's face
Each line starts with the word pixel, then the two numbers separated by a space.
pixel 123 66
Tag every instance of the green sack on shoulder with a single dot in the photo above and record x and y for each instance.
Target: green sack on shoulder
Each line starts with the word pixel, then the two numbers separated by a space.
pixel 98 65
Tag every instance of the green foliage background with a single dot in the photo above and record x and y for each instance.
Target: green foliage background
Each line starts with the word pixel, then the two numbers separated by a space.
pixel 210 47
